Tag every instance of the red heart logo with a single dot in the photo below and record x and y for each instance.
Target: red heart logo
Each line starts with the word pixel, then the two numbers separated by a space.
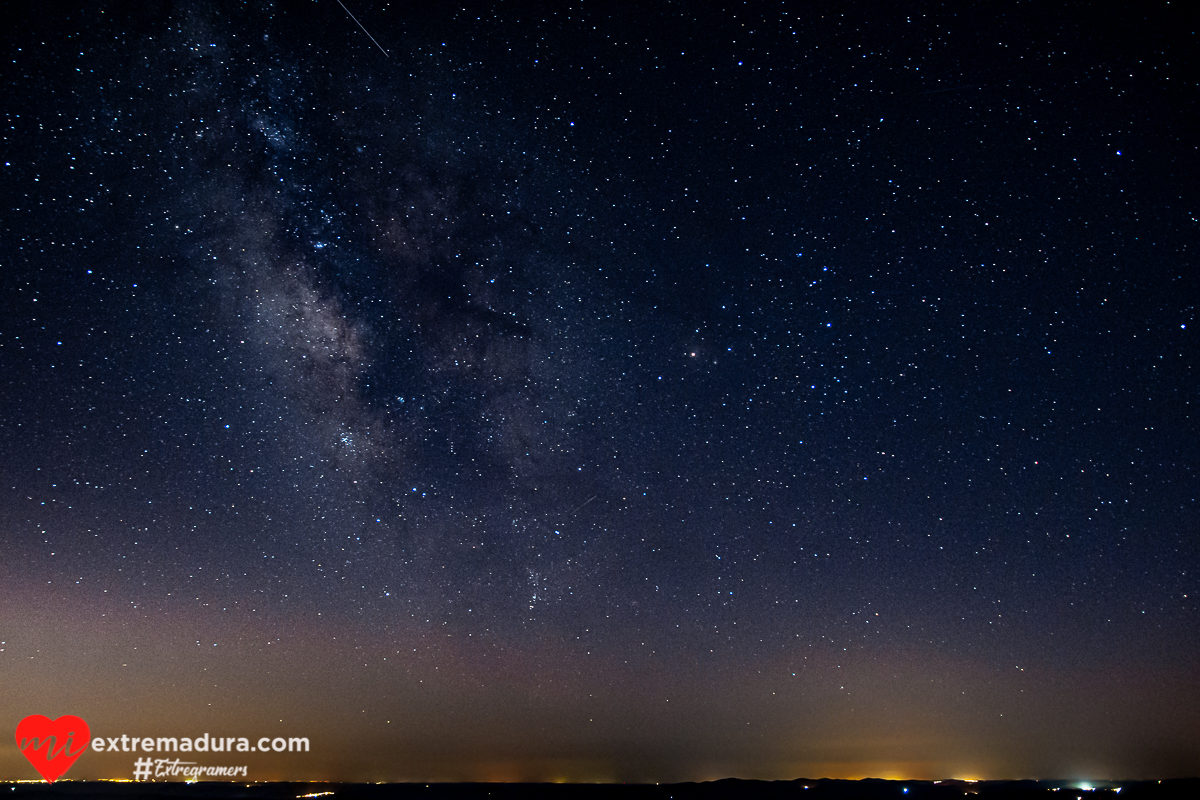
pixel 49 744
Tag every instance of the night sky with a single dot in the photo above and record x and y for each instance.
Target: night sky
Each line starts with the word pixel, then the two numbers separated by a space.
pixel 600 392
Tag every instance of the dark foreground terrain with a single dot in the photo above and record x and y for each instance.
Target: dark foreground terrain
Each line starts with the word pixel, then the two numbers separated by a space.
pixel 775 790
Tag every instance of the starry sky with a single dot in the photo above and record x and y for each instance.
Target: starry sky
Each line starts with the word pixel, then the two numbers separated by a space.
pixel 594 392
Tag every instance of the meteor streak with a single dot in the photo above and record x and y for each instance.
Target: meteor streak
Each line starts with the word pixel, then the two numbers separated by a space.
pixel 364 30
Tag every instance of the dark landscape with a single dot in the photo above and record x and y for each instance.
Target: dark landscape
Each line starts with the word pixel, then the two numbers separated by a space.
pixel 718 790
